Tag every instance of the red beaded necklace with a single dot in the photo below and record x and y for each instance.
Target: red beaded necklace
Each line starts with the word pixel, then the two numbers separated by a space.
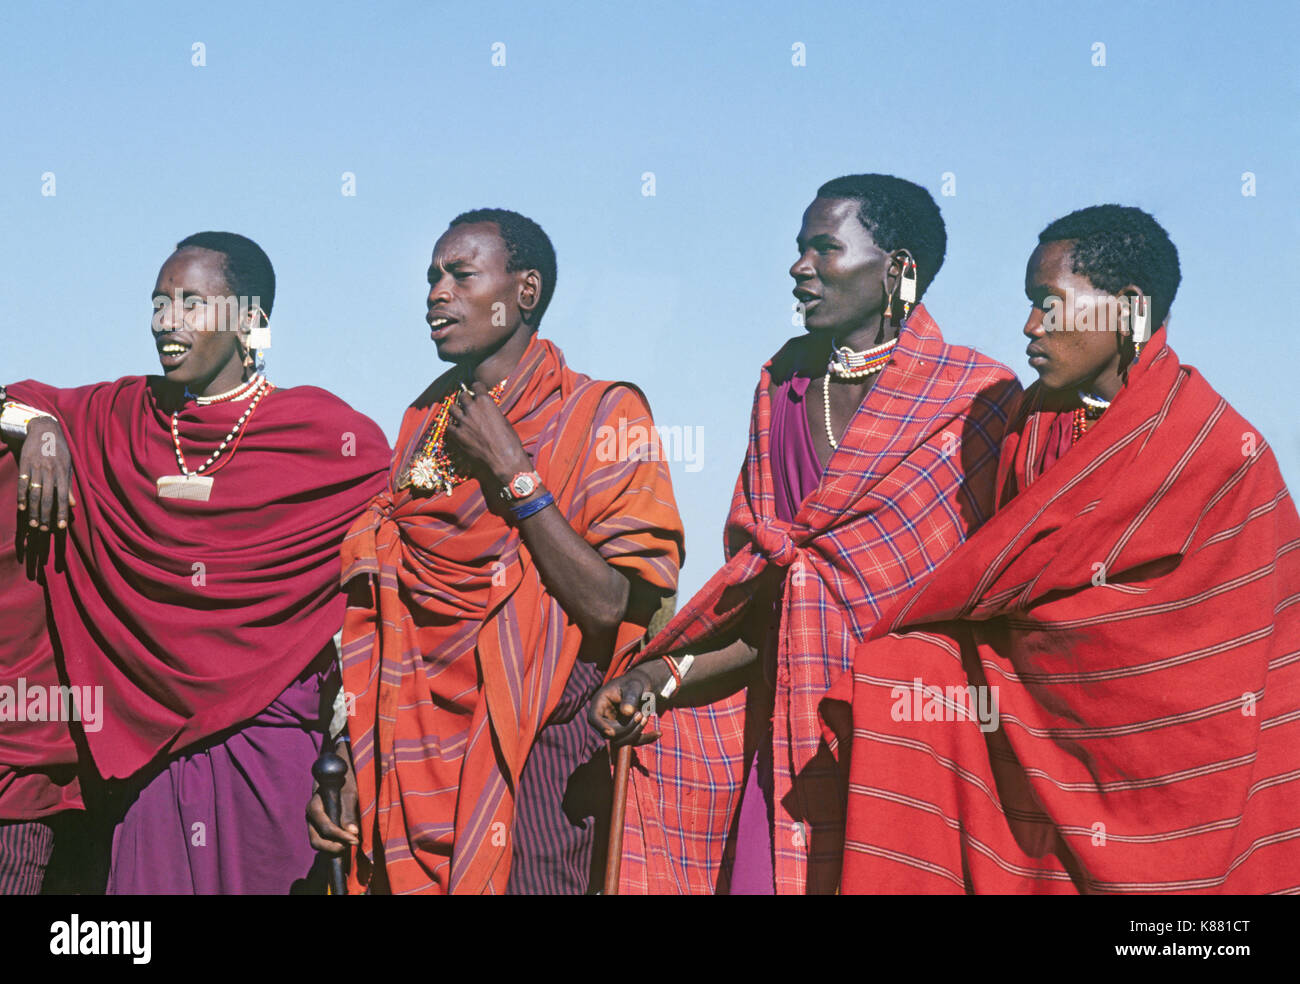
pixel 436 467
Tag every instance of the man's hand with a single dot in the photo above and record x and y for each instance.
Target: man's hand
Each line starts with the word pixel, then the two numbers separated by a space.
pixel 45 490
pixel 481 430
pixel 615 709
pixel 328 837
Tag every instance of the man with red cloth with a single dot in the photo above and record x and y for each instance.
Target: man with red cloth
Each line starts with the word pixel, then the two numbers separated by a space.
pixel 865 469
pixel 39 785
pixel 199 598
pixel 1100 690
pixel 514 554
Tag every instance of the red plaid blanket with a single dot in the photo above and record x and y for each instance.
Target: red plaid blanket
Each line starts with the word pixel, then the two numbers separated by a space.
pixel 913 474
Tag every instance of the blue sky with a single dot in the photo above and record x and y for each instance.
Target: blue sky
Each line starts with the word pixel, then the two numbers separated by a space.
pixel 685 292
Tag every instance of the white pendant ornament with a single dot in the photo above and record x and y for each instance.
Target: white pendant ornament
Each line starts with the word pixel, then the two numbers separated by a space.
pixel 195 488
pixel 907 283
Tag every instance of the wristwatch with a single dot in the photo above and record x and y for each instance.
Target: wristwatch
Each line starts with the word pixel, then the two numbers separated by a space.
pixel 521 486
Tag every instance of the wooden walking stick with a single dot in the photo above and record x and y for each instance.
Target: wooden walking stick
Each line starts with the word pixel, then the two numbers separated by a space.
pixel 614 858
pixel 330 771
pixel 623 761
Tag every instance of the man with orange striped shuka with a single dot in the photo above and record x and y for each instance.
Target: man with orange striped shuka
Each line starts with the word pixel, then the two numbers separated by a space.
pixel 1100 690
pixel 865 469
pixel 513 555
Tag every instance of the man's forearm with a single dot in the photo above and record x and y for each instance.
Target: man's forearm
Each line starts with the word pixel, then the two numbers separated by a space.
pixel 592 593
pixel 716 673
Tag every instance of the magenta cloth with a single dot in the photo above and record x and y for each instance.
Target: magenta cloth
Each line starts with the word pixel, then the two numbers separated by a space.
pixel 38 760
pixel 795 475
pixel 201 623
pixel 226 818
pixel 194 616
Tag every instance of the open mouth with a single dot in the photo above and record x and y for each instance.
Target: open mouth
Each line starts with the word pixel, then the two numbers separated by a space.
pixel 172 353
pixel 439 326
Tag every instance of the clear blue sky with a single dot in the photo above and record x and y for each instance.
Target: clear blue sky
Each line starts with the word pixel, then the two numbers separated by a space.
pixel 686 292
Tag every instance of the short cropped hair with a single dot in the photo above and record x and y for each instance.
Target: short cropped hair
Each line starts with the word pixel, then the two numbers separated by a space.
pixel 527 247
pixel 247 268
pixel 899 215
pixel 1117 245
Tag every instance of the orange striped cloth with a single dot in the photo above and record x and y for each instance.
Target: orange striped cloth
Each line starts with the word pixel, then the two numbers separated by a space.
pixel 1134 610
pixel 453 649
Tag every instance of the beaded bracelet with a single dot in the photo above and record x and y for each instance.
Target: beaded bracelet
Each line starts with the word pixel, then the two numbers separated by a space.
pixel 528 508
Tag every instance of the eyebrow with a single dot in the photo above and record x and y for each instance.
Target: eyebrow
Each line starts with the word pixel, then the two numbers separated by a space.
pixel 822 237
pixel 450 264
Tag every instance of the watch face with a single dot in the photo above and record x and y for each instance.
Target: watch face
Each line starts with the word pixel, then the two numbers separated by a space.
pixel 522 485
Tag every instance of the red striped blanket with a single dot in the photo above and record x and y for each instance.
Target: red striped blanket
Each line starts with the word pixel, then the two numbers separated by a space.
pixel 1135 610
pixel 456 653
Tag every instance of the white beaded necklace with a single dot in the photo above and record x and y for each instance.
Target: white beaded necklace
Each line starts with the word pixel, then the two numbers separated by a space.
pixel 1093 402
pixel 238 393
pixel 848 364
pixel 257 387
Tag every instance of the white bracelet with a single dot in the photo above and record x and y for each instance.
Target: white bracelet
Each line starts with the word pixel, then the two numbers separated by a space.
pixel 683 665
pixel 14 418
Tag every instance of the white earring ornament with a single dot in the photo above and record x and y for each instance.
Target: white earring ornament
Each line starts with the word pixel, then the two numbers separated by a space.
pixel 907 282
pixel 1141 308
pixel 259 338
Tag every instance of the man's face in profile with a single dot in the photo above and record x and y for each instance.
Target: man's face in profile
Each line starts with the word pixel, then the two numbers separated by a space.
pixel 473 301
pixel 840 273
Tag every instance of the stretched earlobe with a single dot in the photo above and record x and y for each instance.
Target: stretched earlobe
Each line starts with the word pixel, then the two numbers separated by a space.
pixel 904 285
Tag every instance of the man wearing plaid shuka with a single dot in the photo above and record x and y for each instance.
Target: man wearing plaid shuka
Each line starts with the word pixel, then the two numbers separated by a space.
pixel 858 481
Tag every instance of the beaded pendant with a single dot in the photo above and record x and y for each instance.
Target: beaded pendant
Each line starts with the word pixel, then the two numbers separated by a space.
pixel 1093 407
pixel 194 485
pixel 436 467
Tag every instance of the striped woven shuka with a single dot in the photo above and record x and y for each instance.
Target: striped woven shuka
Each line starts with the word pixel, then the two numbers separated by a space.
pixel 456 653
pixel 913 474
pixel 1134 609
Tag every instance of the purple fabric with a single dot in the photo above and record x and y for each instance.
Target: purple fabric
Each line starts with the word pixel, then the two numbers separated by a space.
pixel 227 817
pixel 563 802
pixel 796 472
pixel 25 849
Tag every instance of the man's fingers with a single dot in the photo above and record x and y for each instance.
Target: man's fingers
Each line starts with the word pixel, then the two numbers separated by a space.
pixel 24 480
pixel 630 703
pixel 628 732
pixel 323 833
pixel 64 500
pixel 649 737
pixel 600 715
pixel 49 490
pixel 34 489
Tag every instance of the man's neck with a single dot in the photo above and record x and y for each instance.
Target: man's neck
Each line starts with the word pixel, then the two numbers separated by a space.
pixel 223 382
pixel 1106 384
pixel 502 363
pixel 876 331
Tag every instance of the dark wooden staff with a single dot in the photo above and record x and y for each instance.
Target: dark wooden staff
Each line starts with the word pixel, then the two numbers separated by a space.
pixel 330 771
pixel 614 857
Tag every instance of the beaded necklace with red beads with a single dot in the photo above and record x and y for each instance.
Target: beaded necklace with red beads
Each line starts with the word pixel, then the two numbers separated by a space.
pixel 1092 409
pixel 257 387
pixel 436 467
